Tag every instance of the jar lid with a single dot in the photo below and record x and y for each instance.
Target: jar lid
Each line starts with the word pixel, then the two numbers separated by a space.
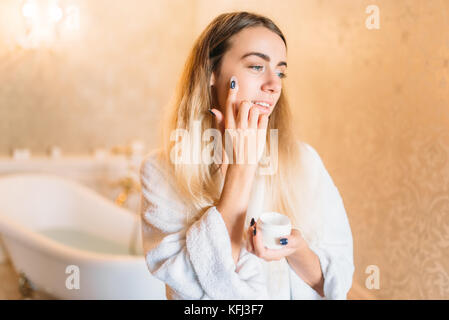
pixel 274 220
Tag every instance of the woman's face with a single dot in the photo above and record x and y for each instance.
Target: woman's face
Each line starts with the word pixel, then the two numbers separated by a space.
pixel 257 58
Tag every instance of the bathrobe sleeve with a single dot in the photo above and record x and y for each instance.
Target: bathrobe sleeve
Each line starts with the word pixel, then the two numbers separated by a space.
pixel 335 250
pixel 193 258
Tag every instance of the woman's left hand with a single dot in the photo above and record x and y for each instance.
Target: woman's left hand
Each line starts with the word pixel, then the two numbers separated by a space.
pixel 255 245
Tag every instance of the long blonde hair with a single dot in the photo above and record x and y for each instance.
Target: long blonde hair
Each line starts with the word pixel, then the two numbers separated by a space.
pixel 193 98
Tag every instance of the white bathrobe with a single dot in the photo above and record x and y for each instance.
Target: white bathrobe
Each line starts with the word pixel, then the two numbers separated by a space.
pixel 194 257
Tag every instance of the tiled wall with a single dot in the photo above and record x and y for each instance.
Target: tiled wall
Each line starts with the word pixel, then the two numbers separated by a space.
pixel 374 103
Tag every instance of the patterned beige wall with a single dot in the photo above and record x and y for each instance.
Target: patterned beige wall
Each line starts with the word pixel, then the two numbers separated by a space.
pixel 374 103
pixel 104 87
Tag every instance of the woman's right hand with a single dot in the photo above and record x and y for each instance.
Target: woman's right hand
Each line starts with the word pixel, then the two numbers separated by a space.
pixel 239 177
pixel 234 199
pixel 241 121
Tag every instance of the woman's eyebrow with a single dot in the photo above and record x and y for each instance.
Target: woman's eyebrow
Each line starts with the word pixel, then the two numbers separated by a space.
pixel 263 56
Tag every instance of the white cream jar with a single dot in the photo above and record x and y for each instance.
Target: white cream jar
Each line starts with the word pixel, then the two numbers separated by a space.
pixel 274 226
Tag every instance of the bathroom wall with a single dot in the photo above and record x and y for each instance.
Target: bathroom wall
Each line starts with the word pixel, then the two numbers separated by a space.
pixel 94 88
pixel 373 102
pixel 375 105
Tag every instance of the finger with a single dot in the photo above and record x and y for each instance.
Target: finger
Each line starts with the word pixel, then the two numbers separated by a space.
pixel 254 115
pixel 243 112
pixel 263 121
pixel 292 240
pixel 230 101
pixel 275 254
pixel 278 254
pixel 259 247
pixel 218 119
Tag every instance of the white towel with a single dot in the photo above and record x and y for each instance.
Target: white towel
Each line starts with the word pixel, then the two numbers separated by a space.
pixel 194 258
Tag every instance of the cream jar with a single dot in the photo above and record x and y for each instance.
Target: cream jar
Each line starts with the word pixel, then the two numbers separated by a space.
pixel 274 226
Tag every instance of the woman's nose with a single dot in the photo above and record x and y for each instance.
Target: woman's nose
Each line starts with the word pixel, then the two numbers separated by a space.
pixel 272 84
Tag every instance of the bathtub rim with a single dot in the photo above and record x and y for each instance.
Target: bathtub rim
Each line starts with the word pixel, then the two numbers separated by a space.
pixel 26 236
pixel 30 238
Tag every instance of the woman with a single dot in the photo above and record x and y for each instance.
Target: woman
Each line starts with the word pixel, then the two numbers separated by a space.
pixel 199 231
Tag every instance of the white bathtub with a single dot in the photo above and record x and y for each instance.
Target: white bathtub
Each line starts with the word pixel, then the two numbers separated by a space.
pixel 49 223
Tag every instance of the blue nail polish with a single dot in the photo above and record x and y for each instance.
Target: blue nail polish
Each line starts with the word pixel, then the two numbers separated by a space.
pixel 252 222
pixel 254 231
pixel 211 112
pixel 232 84
pixel 283 241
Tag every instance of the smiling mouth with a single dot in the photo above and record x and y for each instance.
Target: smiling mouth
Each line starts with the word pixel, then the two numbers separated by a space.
pixel 262 103
pixel 262 106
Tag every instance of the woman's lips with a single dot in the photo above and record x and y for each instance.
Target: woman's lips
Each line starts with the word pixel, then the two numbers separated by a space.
pixel 262 109
pixel 264 106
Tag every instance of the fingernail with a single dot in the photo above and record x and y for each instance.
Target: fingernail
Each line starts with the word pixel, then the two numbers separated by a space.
pixel 211 112
pixel 283 241
pixel 255 231
pixel 252 222
pixel 232 82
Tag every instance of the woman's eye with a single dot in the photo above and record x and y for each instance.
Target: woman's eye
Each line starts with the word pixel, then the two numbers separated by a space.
pixel 282 75
pixel 257 68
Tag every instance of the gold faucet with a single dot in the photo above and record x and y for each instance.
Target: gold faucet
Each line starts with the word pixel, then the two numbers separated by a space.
pixel 127 184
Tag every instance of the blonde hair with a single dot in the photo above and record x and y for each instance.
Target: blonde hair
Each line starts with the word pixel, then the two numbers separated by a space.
pixel 193 98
